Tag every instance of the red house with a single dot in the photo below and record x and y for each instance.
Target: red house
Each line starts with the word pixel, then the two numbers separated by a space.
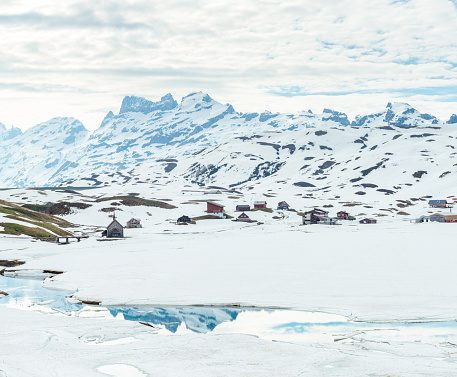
pixel 260 204
pixel 216 208
pixel 342 215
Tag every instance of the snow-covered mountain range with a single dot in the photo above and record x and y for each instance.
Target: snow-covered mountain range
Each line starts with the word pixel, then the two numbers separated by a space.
pixel 208 143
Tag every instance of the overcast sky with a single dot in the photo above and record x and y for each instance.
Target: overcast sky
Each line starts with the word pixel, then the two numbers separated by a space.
pixel 80 58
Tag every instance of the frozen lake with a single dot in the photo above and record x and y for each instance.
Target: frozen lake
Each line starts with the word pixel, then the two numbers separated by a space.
pixel 280 325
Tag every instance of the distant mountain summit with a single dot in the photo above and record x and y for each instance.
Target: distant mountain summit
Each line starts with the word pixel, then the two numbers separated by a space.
pixel 452 119
pixel 397 114
pixel 142 105
pixel 6 134
pixel 62 149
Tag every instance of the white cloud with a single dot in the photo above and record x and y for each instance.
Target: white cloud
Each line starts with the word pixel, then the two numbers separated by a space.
pixel 77 57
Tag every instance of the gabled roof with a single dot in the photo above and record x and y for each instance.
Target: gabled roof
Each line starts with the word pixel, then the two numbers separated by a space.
pixel 260 202
pixel 243 216
pixel 437 202
pixel 283 204
pixel 317 210
pixel 215 204
pixel 114 223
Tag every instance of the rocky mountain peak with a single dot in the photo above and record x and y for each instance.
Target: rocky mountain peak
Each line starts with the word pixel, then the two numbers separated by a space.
pixel 142 105
pixel 195 98
pixel 452 119
pixel 336 116
pixel 7 134
pixel 107 118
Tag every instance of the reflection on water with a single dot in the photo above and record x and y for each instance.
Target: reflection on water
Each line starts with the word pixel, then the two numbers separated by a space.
pixel 196 319
pixel 29 294
pixel 281 325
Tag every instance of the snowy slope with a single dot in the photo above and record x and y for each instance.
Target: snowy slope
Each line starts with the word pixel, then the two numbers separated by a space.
pixel 215 144
pixel 42 153
pixel 353 163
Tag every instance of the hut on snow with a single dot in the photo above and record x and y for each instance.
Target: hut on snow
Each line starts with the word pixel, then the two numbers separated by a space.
pixel 315 216
pixel 283 206
pixel 215 209
pixel 184 220
pixel 368 221
pixel 438 203
pixel 260 204
pixel 114 230
pixel 133 223
pixel 243 217
pixel 343 215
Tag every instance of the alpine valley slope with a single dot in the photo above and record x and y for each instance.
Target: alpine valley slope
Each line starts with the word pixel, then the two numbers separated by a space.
pixel 201 141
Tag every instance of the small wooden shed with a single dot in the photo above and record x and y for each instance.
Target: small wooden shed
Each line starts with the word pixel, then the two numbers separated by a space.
pixel 342 215
pixel 243 217
pixel 134 223
pixel 184 219
pixel 243 207
pixel 283 206
pixel 368 221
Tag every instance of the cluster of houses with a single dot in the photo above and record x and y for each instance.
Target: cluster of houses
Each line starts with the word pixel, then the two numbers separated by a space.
pixel 217 209
pixel 320 216
pixel 314 216
pixel 439 217
pixel 282 206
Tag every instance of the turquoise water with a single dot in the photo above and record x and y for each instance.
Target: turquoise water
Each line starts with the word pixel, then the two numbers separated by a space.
pixel 286 325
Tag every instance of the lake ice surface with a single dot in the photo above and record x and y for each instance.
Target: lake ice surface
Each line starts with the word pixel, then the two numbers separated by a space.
pixel 280 325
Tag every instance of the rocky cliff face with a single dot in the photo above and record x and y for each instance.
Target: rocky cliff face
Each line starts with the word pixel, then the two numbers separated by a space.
pixel 142 105
pixel 452 119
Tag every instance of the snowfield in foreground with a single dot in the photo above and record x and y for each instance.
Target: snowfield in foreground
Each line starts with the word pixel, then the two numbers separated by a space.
pixel 391 272
pixel 39 345
pixel 387 272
